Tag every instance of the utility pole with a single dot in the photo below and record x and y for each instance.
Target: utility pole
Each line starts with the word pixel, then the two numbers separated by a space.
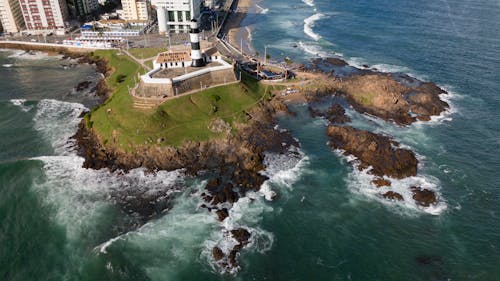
pixel 265 54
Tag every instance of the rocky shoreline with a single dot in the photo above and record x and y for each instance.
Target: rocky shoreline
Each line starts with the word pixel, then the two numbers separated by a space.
pixel 233 165
pixel 393 97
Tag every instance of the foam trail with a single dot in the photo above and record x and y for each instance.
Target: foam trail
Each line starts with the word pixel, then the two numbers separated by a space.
pixel 21 104
pixel 262 10
pixel 309 24
pixel 309 2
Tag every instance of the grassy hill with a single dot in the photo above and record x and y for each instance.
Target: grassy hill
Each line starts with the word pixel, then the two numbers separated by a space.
pixel 175 121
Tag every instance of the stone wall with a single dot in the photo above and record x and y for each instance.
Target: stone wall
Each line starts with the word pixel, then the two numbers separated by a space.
pixel 154 90
pixel 207 80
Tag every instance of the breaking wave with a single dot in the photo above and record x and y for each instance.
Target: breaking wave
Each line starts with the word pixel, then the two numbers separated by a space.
pixel 309 2
pixel 309 24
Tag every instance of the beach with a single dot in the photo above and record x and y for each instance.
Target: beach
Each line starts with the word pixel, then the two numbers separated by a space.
pixel 237 30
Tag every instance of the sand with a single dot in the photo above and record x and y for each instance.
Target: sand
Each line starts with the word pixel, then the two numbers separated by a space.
pixel 234 29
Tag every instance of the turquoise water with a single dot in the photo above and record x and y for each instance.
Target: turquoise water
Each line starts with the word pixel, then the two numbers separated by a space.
pixel 60 222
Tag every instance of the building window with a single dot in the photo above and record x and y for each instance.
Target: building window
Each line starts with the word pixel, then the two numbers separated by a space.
pixel 171 16
pixel 188 15
pixel 179 16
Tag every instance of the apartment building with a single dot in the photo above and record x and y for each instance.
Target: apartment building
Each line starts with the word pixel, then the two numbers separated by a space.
pixel 82 8
pixel 175 15
pixel 44 16
pixel 11 17
pixel 136 10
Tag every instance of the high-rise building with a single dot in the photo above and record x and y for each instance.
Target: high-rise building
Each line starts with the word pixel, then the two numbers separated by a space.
pixel 176 15
pixel 11 16
pixel 44 16
pixel 83 8
pixel 136 10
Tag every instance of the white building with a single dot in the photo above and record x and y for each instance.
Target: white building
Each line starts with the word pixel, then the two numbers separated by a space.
pixel 135 10
pixel 44 16
pixel 11 17
pixel 175 15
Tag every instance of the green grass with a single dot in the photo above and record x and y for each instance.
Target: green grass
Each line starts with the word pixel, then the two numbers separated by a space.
pixel 144 53
pixel 149 63
pixel 177 120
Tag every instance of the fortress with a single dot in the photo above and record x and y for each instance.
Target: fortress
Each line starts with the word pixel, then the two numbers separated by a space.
pixel 180 72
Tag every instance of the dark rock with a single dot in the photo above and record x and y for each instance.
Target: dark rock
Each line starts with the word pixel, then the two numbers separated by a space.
pixel 391 195
pixel 222 214
pixel 374 150
pixel 217 253
pixel 83 85
pixel 379 182
pixel 428 259
pixel 336 114
pixel 423 197
pixel 241 235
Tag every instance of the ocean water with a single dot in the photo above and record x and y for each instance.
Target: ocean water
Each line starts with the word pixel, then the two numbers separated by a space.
pixel 61 222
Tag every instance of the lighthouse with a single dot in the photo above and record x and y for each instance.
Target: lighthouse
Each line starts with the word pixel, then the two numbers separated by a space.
pixel 194 36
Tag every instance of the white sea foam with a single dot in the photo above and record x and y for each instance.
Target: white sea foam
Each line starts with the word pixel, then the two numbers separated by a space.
pixel 57 121
pixel 81 196
pixel 283 170
pixel 7 65
pixel 31 55
pixel 309 2
pixel 309 25
pixel 21 103
pixel 316 50
pixel 360 182
pixel 262 10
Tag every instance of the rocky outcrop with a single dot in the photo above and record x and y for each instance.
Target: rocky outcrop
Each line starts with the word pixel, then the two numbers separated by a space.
pixel 424 197
pixel 397 97
pixel 334 114
pixel 380 152
pixel 228 261
pixel 391 195
pixel 379 182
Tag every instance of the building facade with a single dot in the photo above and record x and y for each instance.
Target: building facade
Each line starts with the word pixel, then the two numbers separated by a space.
pixel 83 8
pixel 175 15
pixel 44 16
pixel 11 17
pixel 136 10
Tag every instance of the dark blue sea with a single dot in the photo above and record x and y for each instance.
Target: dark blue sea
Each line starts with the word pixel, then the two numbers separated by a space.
pixel 58 220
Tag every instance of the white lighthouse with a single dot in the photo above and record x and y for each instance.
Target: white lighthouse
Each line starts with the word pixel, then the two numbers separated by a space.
pixel 194 35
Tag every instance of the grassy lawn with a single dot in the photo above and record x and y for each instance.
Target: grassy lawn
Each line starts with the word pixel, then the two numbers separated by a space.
pixel 144 53
pixel 149 63
pixel 177 120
